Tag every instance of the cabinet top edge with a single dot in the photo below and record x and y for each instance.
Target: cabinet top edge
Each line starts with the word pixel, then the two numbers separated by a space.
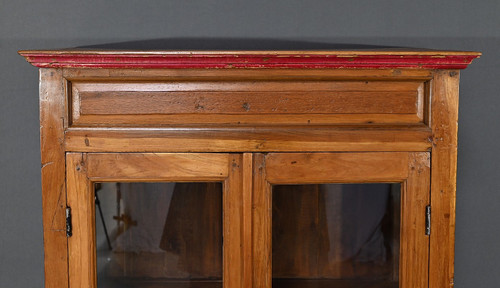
pixel 311 59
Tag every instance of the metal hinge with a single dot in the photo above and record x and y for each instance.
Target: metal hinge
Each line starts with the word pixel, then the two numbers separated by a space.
pixel 428 220
pixel 69 227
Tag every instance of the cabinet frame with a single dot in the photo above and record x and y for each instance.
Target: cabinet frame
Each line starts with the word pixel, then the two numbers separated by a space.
pixel 85 169
pixel 247 201
pixel 411 169
pixel 437 133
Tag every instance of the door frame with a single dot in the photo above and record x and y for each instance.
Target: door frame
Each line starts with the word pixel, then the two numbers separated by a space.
pixel 247 213
pixel 85 169
pixel 411 169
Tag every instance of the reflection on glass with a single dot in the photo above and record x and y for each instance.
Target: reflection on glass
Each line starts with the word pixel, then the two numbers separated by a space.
pixel 160 235
pixel 335 235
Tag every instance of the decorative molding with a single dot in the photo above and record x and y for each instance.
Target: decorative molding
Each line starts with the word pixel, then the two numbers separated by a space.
pixel 373 59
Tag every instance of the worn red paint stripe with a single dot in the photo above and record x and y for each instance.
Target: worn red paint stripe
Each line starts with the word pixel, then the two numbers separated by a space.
pixel 86 60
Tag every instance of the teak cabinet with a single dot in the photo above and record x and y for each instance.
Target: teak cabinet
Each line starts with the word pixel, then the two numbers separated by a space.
pixel 328 169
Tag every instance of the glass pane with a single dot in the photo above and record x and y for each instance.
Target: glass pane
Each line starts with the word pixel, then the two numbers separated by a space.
pixel 159 235
pixel 336 235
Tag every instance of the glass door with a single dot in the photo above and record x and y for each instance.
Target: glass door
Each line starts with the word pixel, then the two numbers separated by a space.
pixel 155 220
pixel 341 220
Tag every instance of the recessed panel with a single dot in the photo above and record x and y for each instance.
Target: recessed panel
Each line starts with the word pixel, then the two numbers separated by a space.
pixel 246 102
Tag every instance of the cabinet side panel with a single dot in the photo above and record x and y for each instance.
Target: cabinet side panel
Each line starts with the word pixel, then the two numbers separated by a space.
pixel 52 119
pixel 444 121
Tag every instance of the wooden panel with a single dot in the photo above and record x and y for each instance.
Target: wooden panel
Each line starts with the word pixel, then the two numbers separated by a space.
pixel 242 119
pixel 251 139
pixel 52 121
pixel 444 120
pixel 158 166
pixel 285 85
pixel 286 168
pixel 208 102
pixel 234 245
pixel 414 245
pixel 261 227
pixel 89 74
pixel 81 245
pixel 247 240
pixel 106 103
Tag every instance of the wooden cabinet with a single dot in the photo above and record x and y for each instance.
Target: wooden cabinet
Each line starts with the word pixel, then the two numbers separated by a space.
pixel 249 169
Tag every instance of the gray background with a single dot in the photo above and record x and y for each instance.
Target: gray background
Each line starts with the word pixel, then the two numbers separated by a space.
pixel 449 24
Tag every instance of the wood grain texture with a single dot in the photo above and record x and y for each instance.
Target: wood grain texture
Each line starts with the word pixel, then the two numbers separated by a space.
pixel 414 245
pixel 250 102
pixel 241 120
pixel 81 245
pixel 109 104
pixel 173 75
pixel 314 168
pixel 257 97
pixel 234 245
pixel 240 102
pixel 141 82
pixel 179 84
pixel 247 206
pixel 250 139
pixel 261 225
pixel 52 123
pixel 157 166
pixel 444 122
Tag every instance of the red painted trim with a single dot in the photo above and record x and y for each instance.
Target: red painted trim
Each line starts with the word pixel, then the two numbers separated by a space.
pixel 220 60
